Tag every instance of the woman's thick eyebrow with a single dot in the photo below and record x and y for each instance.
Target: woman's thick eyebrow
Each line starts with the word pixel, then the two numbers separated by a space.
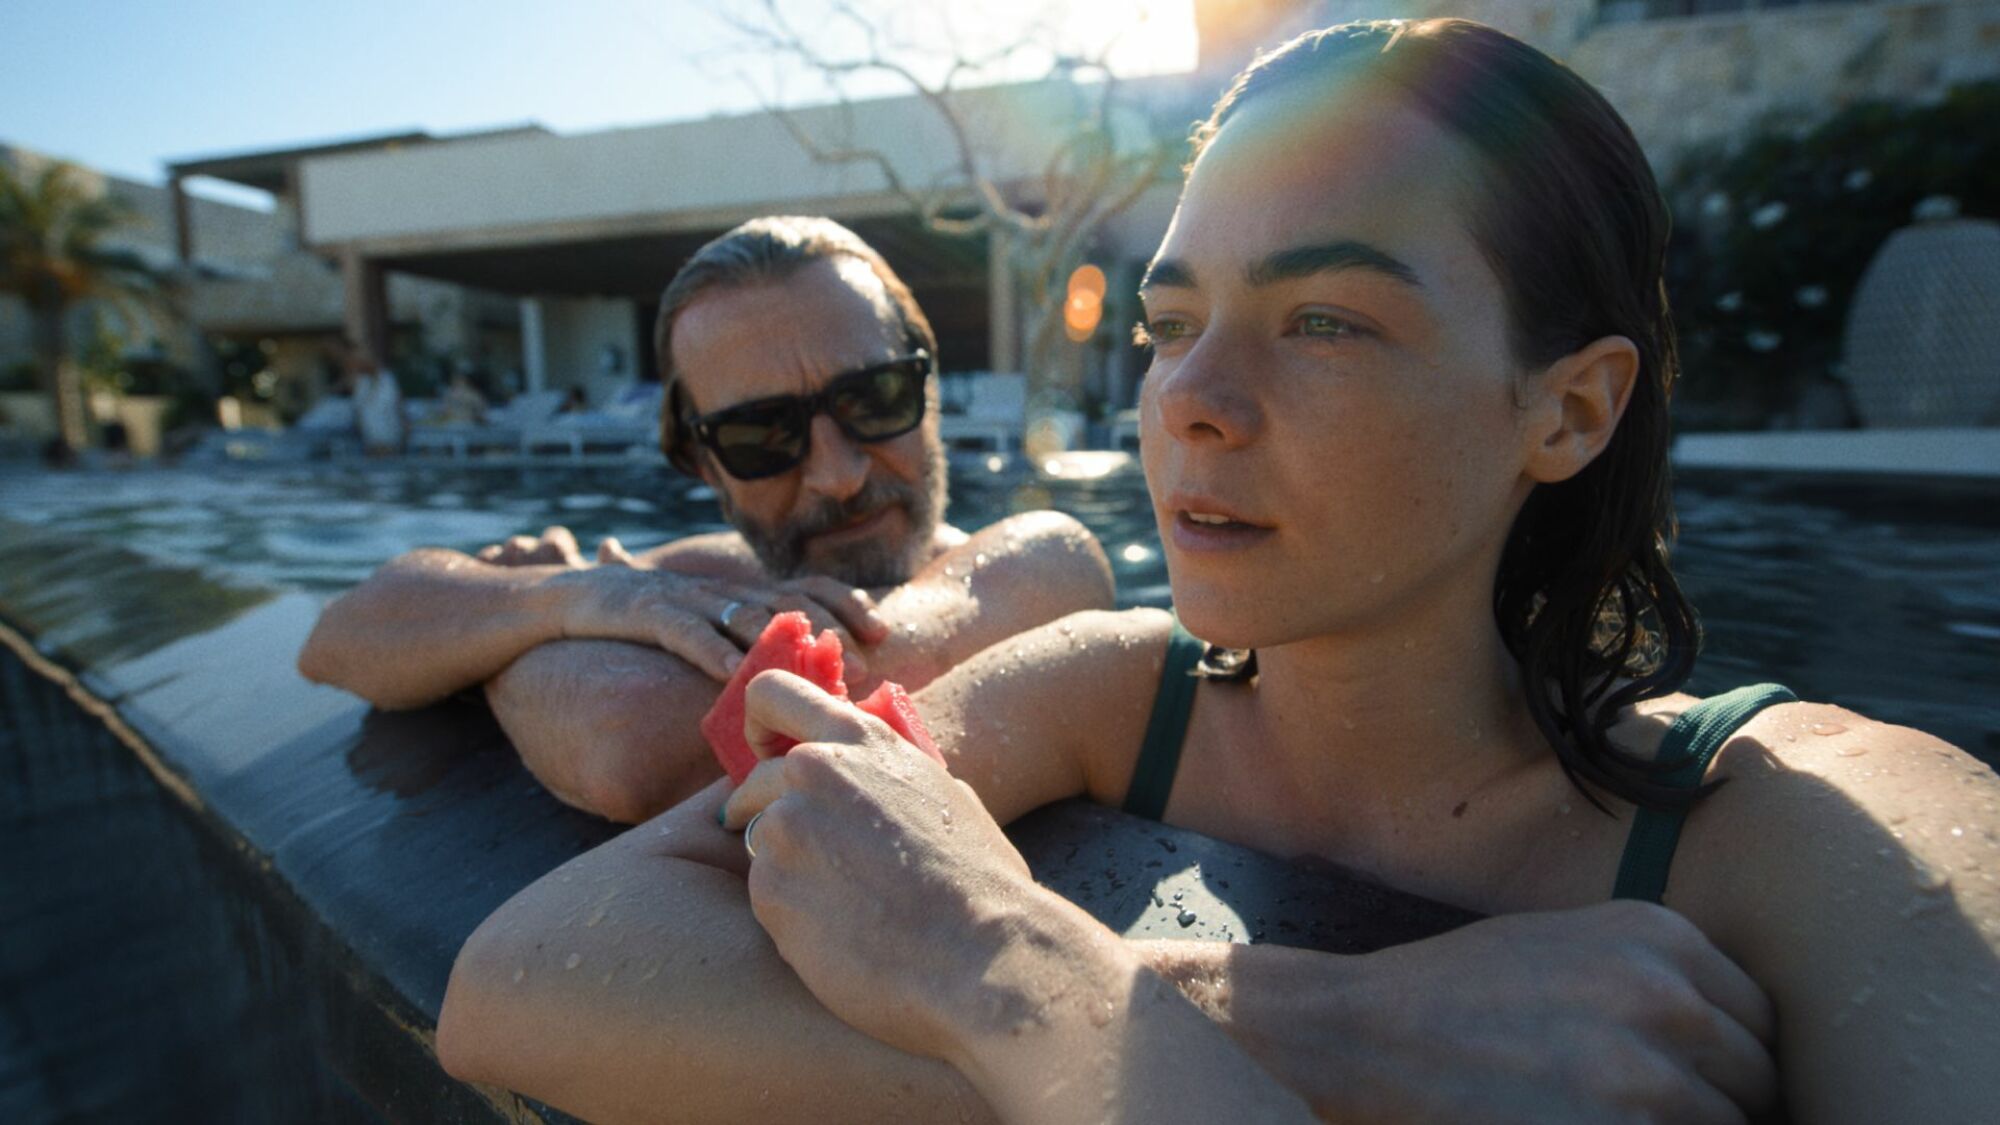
pixel 1345 254
pixel 1167 273
pixel 1290 265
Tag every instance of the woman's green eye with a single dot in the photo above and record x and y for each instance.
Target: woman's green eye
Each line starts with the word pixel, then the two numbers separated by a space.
pixel 1321 324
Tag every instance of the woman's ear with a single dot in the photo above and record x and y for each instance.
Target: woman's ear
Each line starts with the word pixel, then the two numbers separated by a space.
pixel 1575 407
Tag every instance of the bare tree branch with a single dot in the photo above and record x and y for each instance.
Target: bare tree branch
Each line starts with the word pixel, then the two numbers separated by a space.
pixel 1090 175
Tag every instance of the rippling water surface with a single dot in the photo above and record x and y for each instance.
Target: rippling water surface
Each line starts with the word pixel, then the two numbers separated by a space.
pixel 1881 597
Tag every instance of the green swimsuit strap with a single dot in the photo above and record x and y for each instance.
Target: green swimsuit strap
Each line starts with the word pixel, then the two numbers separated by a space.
pixel 1166 729
pixel 1693 740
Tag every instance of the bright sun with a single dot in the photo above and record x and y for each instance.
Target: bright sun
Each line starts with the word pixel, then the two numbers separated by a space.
pixel 1148 36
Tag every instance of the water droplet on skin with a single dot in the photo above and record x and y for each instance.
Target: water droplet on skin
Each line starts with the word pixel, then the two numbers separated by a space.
pixel 979 559
pixel 902 858
pixel 1100 1014
pixel 520 975
pixel 947 817
pixel 1824 729
pixel 575 959
pixel 1851 751
pixel 651 973
pixel 1957 831
pixel 597 915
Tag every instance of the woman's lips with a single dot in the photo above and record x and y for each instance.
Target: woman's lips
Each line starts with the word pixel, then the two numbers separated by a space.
pixel 1206 534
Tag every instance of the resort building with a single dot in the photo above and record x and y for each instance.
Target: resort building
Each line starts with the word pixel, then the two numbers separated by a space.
pixel 250 291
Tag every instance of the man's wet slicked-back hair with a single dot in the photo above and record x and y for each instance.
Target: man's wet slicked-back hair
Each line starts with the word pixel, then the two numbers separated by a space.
pixel 764 251
pixel 1566 211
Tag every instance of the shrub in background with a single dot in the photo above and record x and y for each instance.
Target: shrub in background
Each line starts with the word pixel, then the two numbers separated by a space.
pixel 1772 236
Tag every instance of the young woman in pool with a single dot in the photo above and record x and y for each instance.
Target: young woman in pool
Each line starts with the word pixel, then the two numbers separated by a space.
pixel 1405 434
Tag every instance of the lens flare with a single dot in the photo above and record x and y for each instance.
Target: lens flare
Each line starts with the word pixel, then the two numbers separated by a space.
pixel 1084 307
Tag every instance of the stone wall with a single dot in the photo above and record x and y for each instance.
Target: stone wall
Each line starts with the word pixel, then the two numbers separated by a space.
pixel 1688 79
pixel 1683 81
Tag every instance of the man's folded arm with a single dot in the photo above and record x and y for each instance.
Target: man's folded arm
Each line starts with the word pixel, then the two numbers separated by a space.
pixel 430 623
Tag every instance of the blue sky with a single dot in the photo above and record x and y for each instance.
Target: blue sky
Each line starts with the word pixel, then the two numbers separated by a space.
pixel 126 85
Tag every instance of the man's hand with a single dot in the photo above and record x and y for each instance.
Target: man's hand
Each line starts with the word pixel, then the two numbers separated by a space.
pixel 1617 1012
pixel 710 622
pixel 555 547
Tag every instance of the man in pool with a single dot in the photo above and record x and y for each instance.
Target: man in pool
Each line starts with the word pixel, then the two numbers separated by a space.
pixel 798 381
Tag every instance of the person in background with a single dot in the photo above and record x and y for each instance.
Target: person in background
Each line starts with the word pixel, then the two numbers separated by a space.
pixel 378 403
pixel 802 390
pixel 461 402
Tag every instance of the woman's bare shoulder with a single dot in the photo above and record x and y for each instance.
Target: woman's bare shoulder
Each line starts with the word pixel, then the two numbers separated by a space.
pixel 1066 698
pixel 1853 868
pixel 1805 783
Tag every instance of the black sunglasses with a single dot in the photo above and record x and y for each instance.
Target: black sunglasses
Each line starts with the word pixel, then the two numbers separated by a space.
pixel 768 436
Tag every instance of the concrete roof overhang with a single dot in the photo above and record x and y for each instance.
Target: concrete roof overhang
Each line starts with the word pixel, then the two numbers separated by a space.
pixel 638 264
pixel 272 169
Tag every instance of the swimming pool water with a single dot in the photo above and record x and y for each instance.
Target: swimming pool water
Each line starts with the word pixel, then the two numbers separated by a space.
pixel 1883 597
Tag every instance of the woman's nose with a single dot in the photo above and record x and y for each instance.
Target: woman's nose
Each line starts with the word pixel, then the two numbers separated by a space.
pixel 1202 396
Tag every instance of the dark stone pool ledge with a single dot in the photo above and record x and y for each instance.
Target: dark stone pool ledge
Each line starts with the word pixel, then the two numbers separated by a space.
pixel 240 894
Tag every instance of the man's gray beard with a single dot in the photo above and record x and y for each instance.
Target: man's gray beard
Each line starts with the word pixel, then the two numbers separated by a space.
pixel 871 562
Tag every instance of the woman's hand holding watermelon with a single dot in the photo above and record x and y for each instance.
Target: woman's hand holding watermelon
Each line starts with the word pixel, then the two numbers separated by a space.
pixel 898 901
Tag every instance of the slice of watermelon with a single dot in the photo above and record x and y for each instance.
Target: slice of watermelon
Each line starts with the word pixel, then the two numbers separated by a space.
pixel 891 704
pixel 788 644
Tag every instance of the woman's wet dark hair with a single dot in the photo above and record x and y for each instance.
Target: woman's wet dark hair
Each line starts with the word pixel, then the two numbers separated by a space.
pixel 1568 214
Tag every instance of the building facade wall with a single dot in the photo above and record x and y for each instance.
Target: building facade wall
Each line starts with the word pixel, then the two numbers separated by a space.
pixel 679 175
pixel 576 334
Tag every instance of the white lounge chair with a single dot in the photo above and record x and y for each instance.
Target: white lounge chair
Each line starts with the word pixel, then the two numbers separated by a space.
pixel 502 429
pixel 630 419
pixel 995 413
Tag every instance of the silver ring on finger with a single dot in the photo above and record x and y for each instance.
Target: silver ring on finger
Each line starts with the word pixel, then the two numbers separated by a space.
pixel 729 611
pixel 748 844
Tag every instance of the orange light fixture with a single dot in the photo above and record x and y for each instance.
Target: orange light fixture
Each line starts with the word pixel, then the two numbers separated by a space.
pixel 1084 307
